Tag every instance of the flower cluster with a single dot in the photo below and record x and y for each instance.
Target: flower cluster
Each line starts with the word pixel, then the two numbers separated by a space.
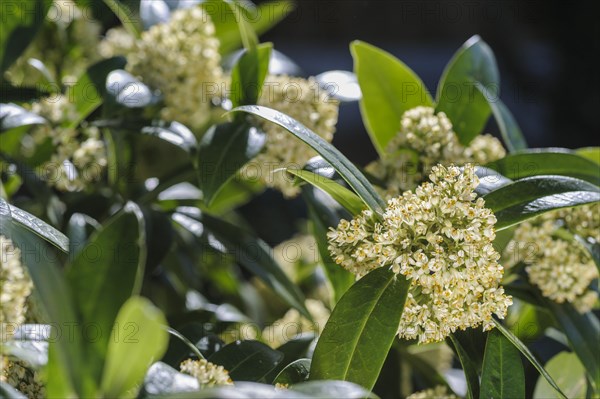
pixel 22 378
pixel 440 238
pixel 438 392
pixel 181 59
pixel 208 374
pixel 15 286
pixel 79 158
pixel 562 270
pixel 582 220
pixel 426 139
pixel 117 41
pixel 304 101
pixel 293 323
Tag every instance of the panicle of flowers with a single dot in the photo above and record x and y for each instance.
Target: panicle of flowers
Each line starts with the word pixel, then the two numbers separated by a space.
pixel 440 238
pixel 293 323
pixel 181 59
pixel 426 139
pixel 437 392
pixel 208 374
pixel 582 220
pixel 304 101
pixel 562 270
pixel 117 41
pixel 79 158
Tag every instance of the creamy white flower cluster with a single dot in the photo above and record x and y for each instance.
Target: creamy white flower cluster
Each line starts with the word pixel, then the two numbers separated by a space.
pixel 304 101
pixel 426 139
pixel 79 158
pixel 437 392
pixel 582 220
pixel 117 41
pixel 208 374
pixel 563 270
pixel 15 286
pixel 440 238
pixel 293 323
pixel 181 59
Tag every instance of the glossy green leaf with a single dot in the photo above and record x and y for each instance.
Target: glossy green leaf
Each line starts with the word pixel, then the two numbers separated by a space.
pixel 247 360
pixel 249 251
pixel 345 168
pixel 248 75
pixel 36 225
pixel 472 65
pixel 551 161
pixel 527 353
pixel 294 372
pixel 13 116
pixel 423 368
pixel 125 15
pixel 79 229
pixel 332 390
pixel 139 338
pixel 88 92
pixel 241 390
pixel 8 392
pixel 346 198
pixel 469 366
pixel 174 133
pixel 21 20
pixel 163 379
pixel 361 329
pixel 293 349
pixel 118 249
pixel 224 149
pixel 569 374
pixel 533 196
pixel 582 331
pixel 127 90
pixel 503 375
pixel 389 88
pixel 591 153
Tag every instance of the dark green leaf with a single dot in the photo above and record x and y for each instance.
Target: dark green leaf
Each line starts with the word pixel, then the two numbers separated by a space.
pixel 247 360
pixel 294 349
pixel 249 251
pixel 503 375
pixel 13 116
pixel 551 161
pixel 21 94
pixel 527 353
pixel 125 15
pixel 163 379
pixel 457 94
pixel 241 390
pixel 332 390
pixel 532 196
pixel 361 329
pixel 118 249
pixel 345 168
pixel 294 372
pixel 224 149
pixel 424 369
pixel 154 12
pixel 389 88
pixel 341 85
pixel 509 129
pixel 36 226
pixel 139 338
pixel 248 75
pixel 79 229
pixel 174 133
pixel 21 21
pixel 126 90
pixel 346 198
pixel 469 366
pixel 489 180
pixel 8 392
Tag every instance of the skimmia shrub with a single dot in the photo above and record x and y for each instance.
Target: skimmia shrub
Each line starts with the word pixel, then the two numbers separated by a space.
pixel 131 139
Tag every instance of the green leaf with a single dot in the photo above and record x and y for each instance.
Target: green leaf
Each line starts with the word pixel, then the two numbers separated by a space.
pixel 174 133
pixel 346 198
pixel 591 153
pixel 8 392
pixel 345 168
pixel 551 161
pixel 332 390
pixel 117 249
pixel 294 349
pixel 527 353
pixel 162 379
pixel 247 360
pixel 472 65
pixel 248 75
pixel 138 339
pixel 423 368
pixel 88 92
pixel 569 374
pixel 224 149
pixel 503 375
pixel 361 329
pixel 36 225
pixel 239 390
pixel 249 251
pixel 509 128
pixel 389 88
pixel 128 91
pixel 79 229
pixel 294 372
pixel 21 21
pixel 469 366
pixel 582 331
pixel 125 15
pixel 533 196
pixel 13 116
